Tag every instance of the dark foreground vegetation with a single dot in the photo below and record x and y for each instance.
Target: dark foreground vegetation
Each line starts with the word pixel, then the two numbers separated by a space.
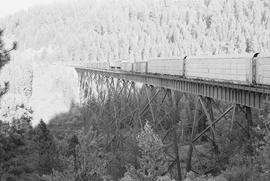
pixel 103 141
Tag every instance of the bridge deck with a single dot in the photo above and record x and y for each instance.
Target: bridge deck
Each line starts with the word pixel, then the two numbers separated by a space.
pixel 247 95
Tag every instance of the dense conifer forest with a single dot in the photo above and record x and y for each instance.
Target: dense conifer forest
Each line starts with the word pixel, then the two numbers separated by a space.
pixel 52 138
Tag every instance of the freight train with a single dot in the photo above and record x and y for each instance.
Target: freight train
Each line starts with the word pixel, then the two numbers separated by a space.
pixel 254 69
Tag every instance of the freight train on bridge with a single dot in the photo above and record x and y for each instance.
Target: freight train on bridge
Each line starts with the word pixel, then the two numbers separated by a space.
pixel 242 82
pixel 240 69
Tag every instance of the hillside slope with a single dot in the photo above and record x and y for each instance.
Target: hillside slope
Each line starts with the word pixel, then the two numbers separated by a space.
pixel 134 30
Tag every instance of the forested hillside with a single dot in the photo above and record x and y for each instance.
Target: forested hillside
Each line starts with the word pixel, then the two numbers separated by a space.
pixel 117 137
pixel 135 30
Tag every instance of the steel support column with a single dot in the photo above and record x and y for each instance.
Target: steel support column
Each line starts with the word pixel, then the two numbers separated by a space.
pixel 175 136
pixel 204 105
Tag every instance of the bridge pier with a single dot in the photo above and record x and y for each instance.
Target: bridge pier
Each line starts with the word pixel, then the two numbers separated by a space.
pixel 204 114
pixel 204 108
pixel 173 106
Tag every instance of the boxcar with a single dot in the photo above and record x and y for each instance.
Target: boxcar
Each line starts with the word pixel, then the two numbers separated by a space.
pixel 115 65
pixel 263 69
pixel 221 68
pixel 140 66
pixel 126 66
pixel 169 66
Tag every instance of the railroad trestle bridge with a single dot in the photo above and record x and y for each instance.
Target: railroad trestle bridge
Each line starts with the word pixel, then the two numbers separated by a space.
pixel 240 100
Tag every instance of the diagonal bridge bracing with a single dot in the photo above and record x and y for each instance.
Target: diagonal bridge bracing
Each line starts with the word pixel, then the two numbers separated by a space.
pixel 240 97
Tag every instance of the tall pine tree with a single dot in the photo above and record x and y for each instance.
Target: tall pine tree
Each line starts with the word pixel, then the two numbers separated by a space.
pixel 46 149
pixel 4 59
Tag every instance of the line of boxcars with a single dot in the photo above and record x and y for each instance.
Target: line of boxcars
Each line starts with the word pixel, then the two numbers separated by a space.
pixel 237 69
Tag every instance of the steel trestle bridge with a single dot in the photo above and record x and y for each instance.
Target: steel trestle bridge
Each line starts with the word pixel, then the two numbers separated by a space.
pixel 240 98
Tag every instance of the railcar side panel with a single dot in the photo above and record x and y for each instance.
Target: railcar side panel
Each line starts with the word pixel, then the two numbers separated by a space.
pixel 170 66
pixel 263 70
pixel 236 69
pixel 140 66
pixel 127 66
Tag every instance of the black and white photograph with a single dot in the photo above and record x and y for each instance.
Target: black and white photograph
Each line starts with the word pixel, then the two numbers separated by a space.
pixel 134 90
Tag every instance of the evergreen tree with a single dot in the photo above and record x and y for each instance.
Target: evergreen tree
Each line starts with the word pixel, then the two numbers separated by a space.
pixel 4 59
pixel 153 162
pixel 73 142
pixel 16 154
pixel 4 54
pixel 46 149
